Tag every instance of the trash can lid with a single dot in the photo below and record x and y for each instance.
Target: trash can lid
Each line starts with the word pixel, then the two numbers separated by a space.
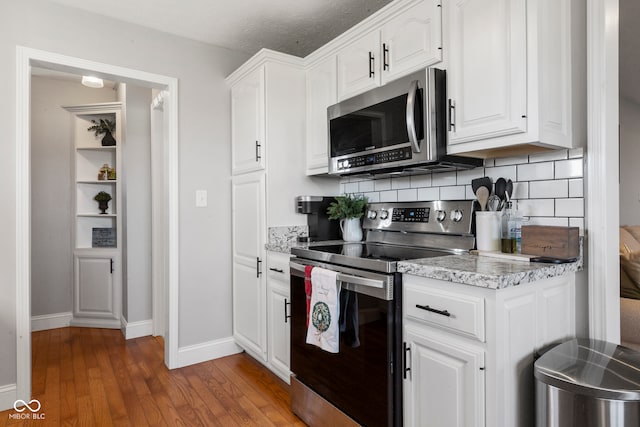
pixel 591 367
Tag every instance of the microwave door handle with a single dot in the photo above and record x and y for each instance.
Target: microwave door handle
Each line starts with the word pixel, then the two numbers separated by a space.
pixel 411 124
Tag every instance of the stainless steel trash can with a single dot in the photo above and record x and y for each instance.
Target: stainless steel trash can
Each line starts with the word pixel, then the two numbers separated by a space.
pixel 588 383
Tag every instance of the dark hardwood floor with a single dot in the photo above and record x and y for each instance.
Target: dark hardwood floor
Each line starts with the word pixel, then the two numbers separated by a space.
pixel 94 377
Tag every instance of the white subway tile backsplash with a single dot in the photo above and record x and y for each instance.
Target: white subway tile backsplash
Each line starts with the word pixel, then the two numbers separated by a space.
pixel 549 189
pixel 535 171
pixel 366 186
pixel 576 187
pixel 456 192
pixel 569 169
pixel 577 222
pixel 541 220
pixel 489 162
pixel 389 196
pixel 548 156
pixel 418 181
pixel 536 207
pixel 570 207
pixel 576 152
pixel 382 184
pixel 408 195
pixel 506 172
pixel 511 160
pixel 430 193
pixel 400 182
pixel 351 187
pixel 520 190
pixel 466 176
pixel 468 193
pixel 342 189
pixel 344 180
pixel 443 179
pixel 373 197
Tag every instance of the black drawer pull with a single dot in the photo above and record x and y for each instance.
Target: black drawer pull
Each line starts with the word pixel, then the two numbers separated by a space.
pixel 433 310
pixel 277 270
pixel 406 368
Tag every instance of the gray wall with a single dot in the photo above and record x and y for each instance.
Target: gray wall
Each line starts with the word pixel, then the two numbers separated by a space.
pixel 51 190
pixel 204 133
pixel 629 158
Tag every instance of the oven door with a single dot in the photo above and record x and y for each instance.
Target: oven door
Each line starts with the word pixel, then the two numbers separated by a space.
pixel 363 379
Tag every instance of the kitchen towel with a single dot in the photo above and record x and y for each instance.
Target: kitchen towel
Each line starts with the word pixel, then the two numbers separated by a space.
pixel 307 289
pixel 324 330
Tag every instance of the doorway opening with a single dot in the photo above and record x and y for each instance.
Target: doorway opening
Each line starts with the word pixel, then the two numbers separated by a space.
pixel 164 235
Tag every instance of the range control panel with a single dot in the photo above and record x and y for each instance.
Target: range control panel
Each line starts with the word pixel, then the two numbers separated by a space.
pixel 387 156
pixel 442 216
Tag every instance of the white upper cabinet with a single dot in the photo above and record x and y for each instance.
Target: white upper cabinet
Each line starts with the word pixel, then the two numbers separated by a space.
pixel 408 37
pixel 487 74
pixel 411 39
pixel 321 93
pixel 516 75
pixel 248 123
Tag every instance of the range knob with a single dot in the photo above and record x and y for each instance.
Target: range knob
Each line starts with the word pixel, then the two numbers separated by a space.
pixel 384 214
pixel 456 215
pixel 440 216
pixel 372 214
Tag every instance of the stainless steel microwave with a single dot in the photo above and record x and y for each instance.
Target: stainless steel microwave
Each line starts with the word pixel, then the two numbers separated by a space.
pixel 398 127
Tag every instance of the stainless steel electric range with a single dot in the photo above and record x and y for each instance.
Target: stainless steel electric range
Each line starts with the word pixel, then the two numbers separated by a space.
pixel 362 383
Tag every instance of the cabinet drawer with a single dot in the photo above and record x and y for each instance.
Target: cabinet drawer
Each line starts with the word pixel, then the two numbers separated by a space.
pixel 278 266
pixel 455 312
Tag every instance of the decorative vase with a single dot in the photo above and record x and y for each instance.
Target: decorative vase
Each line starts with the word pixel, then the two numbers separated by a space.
pixel 108 140
pixel 103 205
pixel 351 229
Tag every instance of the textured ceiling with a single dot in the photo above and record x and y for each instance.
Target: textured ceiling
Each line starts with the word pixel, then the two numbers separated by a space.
pixel 297 27
pixel 630 50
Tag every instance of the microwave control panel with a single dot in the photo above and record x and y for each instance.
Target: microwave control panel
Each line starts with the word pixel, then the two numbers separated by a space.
pixel 386 156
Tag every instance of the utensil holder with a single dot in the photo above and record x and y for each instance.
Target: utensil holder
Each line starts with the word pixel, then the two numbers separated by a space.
pixel 488 231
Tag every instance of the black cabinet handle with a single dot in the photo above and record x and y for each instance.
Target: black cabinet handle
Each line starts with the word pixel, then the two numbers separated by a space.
pixel 452 115
pixel 286 316
pixel 385 56
pixel 407 368
pixel 111 265
pixel 433 310
pixel 258 267
pixel 258 157
pixel 371 64
pixel 277 270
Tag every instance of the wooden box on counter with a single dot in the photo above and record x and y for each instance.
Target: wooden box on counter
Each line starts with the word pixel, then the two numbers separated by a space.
pixel 550 241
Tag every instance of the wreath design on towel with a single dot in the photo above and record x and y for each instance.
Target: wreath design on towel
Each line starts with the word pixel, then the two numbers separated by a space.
pixel 321 317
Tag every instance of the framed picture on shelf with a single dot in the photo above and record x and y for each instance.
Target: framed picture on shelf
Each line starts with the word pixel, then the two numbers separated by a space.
pixel 103 237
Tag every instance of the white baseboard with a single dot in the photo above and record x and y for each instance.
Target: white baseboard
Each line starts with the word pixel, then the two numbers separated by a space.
pixel 198 353
pixel 8 396
pixel 96 323
pixel 138 329
pixel 50 321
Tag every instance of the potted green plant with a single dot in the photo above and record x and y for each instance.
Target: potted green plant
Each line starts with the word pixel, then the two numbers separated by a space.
pixel 106 127
pixel 103 201
pixel 348 209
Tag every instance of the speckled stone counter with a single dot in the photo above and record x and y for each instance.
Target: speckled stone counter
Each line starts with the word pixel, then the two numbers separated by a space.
pixel 280 239
pixel 485 272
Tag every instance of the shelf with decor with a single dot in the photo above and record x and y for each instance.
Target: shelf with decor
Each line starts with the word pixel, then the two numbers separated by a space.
pixel 97 220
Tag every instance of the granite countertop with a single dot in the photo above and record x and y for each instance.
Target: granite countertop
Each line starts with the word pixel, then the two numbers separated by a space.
pixel 285 247
pixel 483 271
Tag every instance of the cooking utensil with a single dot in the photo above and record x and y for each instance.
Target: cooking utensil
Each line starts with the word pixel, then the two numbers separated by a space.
pixel 482 194
pixel 508 189
pixel 481 182
pixel 494 203
pixel 500 188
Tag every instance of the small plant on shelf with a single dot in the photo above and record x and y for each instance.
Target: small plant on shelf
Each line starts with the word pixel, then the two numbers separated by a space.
pixel 103 199
pixel 347 207
pixel 106 127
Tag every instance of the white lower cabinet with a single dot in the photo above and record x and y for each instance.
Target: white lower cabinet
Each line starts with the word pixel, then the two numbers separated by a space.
pixel 96 299
pixel 469 351
pixel 278 313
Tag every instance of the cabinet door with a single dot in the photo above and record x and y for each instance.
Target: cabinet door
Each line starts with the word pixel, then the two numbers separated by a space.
pixel 247 123
pixel 487 75
pixel 279 330
pixel 412 40
pixel 358 66
pixel 94 288
pixel 248 238
pixel 321 93
pixel 445 384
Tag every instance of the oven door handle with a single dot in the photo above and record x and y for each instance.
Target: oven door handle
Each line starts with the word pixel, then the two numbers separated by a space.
pixel 348 278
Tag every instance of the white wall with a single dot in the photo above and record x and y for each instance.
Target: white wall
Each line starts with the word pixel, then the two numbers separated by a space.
pixel 51 190
pixel 204 138
pixel 629 158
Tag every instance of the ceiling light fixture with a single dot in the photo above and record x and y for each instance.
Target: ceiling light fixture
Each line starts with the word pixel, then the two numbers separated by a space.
pixel 93 82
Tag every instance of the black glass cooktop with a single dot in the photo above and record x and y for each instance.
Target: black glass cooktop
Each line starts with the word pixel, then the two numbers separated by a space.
pixel 370 256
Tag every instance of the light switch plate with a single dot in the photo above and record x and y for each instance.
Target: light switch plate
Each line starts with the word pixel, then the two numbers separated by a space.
pixel 201 198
